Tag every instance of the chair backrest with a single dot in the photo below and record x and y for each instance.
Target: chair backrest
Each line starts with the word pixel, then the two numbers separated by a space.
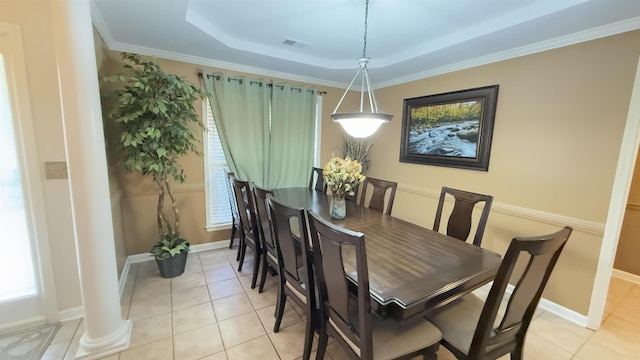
pixel 246 208
pixel 316 181
pixel 232 199
pixel 540 254
pixel 353 198
pixel 263 218
pixel 460 219
pixel 349 325
pixel 290 244
pixel 378 195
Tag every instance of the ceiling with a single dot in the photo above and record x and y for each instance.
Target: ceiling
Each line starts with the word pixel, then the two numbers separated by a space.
pixel 407 39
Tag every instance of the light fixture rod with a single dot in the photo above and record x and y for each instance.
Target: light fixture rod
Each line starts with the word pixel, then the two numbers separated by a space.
pixel 361 124
pixel 346 91
pixel 372 97
pixel 362 88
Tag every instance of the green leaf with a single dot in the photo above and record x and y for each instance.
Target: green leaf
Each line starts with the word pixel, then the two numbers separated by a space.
pixel 155 115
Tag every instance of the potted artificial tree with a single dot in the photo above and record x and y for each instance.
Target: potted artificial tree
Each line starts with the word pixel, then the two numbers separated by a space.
pixel 155 116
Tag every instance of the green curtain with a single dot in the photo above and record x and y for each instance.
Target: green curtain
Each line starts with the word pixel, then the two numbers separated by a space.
pixel 267 131
pixel 240 108
pixel 293 111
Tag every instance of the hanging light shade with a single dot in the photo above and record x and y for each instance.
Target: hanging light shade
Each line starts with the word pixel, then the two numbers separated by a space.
pixel 361 124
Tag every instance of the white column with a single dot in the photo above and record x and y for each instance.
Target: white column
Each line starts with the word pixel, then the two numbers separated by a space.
pixel 105 331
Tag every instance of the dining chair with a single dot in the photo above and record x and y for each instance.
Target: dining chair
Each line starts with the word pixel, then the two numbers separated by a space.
pixel 316 181
pixel 378 194
pixel 250 233
pixel 460 219
pixel 297 281
pixel 235 216
pixel 353 198
pixel 269 251
pixel 473 329
pixel 347 319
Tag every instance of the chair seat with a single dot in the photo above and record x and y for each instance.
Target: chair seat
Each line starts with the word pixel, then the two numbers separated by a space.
pixel 458 321
pixel 392 340
pixel 473 328
pixel 347 316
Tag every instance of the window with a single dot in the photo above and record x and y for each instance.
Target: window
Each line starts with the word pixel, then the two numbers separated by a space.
pixel 218 209
pixel 217 198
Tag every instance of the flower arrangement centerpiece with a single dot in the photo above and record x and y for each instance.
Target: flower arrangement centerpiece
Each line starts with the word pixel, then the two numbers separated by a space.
pixel 342 176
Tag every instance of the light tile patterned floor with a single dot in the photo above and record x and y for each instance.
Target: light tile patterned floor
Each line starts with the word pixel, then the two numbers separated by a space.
pixel 211 313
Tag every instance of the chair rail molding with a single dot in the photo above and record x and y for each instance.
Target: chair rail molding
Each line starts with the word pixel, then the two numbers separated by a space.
pixel 633 206
pixel 585 226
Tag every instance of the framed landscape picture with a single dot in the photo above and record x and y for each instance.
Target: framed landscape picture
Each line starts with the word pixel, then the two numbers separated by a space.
pixel 452 129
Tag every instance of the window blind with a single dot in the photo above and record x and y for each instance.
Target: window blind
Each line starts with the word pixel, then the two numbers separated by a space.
pixel 218 207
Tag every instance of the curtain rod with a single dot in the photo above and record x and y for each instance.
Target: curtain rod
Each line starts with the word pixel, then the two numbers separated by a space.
pixel 251 82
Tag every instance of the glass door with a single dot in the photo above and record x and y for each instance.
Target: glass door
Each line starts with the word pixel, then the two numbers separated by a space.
pixel 21 295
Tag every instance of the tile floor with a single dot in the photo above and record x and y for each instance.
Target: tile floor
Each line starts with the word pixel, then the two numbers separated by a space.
pixel 211 313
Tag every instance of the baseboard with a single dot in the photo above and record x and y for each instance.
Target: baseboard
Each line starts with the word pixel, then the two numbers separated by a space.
pixel 626 276
pixel 137 258
pixel 550 306
pixel 563 312
pixel 559 310
pixel 64 315
pixel 544 304
pixel 23 324
pixel 78 312
pixel 71 314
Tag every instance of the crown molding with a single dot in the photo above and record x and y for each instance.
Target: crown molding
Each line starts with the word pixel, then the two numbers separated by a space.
pixel 575 38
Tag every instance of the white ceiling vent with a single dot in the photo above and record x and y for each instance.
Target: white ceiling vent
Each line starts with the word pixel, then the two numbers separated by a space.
pixel 295 43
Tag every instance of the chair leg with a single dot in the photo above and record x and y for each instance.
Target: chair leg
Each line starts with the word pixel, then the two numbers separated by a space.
pixel 308 338
pixel 256 267
pixel 233 234
pixel 431 353
pixel 282 300
pixel 242 250
pixel 263 276
pixel 240 244
pixel 323 338
pixel 518 353
pixel 281 295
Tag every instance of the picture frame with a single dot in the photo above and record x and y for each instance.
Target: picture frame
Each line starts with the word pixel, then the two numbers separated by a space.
pixel 451 129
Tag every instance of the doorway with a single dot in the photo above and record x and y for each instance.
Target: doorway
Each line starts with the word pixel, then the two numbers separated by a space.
pixel 26 287
pixel 617 206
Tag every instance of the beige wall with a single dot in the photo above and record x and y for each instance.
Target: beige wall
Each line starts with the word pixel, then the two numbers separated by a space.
pixel 105 66
pixel 139 195
pixel 34 19
pixel 558 129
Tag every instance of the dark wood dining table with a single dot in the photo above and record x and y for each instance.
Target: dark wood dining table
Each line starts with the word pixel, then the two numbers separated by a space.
pixel 412 269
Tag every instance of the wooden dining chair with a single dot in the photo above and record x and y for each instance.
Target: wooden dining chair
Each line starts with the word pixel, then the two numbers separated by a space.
pixel 349 320
pixel 316 181
pixel 250 232
pixel 379 192
pixel 236 227
pixel 353 198
pixel 473 329
pixel 269 251
pixel 297 281
pixel 461 217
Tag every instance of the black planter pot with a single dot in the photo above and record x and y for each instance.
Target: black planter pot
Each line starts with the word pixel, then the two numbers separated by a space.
pixel 172 266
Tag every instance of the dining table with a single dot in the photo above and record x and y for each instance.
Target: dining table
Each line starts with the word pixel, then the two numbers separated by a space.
pixel 412 269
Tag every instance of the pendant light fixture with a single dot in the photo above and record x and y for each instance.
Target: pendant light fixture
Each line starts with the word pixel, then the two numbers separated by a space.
pixel 361 124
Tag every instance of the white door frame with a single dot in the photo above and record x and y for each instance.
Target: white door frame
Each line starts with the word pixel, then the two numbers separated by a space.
pixel 13 55
pixel 617 206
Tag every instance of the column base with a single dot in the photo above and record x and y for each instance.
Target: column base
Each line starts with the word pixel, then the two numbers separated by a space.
pixel 90 349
